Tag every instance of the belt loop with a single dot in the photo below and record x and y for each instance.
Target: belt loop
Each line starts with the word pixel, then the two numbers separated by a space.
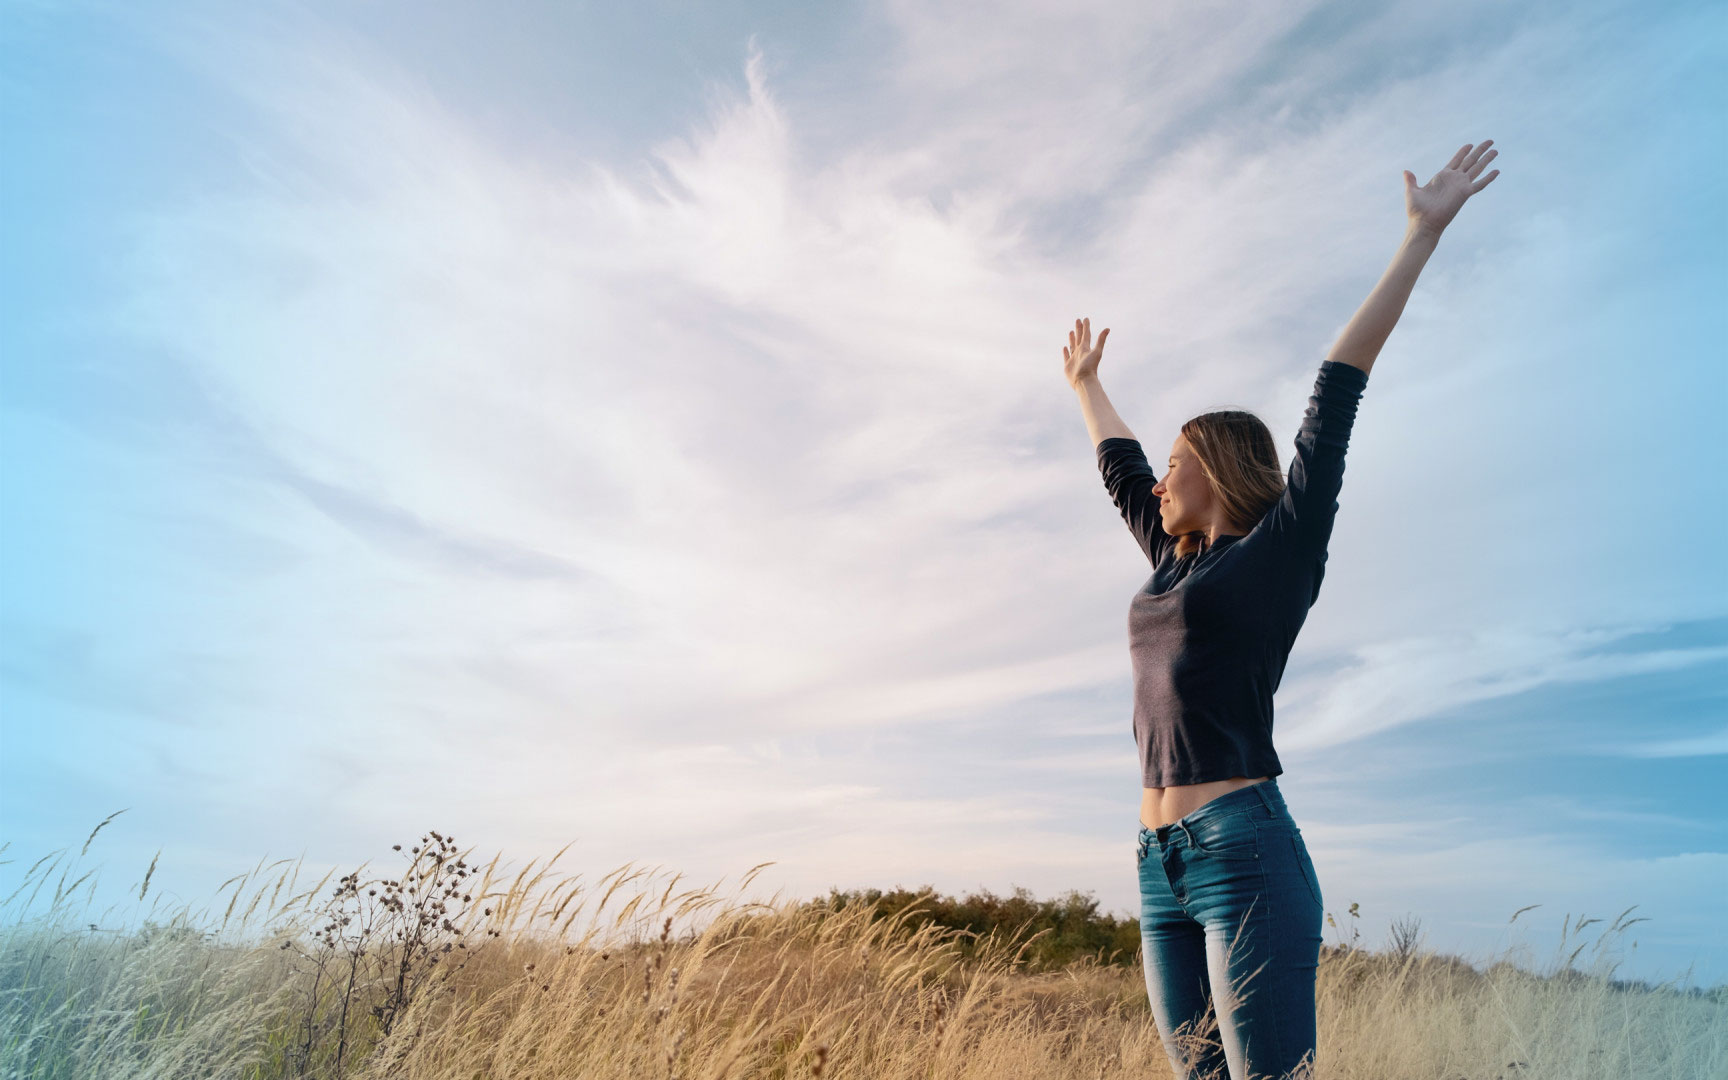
pixel 1265 798
pixel 1190 833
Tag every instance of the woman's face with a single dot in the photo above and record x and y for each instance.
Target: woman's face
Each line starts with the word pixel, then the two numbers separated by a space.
pixel 1184 495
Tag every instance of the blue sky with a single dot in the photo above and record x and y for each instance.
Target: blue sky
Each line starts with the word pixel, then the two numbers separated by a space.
pixel 643 426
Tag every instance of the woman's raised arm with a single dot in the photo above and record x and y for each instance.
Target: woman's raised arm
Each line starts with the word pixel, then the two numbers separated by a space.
pixel 1128 476
pixel 1302 519
pixel 1080 359
pixel 1429 209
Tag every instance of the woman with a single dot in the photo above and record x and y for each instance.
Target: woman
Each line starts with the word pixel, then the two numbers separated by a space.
pixel 1230 908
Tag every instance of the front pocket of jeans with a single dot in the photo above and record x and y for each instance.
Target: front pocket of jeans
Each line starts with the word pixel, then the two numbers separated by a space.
pixel 1231 845
pixel 1307 866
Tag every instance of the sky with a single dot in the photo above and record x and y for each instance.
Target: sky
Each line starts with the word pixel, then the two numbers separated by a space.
pixel 642 427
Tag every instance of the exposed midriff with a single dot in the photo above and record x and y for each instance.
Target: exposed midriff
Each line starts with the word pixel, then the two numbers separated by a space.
pixel 1161 806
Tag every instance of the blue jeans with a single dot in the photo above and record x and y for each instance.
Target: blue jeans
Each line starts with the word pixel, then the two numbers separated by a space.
pixel 1230 917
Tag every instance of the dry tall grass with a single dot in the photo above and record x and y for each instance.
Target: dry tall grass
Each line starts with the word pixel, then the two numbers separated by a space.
pixel 460 971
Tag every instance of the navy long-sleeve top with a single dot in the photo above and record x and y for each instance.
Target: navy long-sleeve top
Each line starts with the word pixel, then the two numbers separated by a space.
pixel 1209 634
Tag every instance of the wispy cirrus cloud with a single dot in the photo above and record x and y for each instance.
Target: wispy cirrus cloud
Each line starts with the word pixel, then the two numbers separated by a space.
pixel 1709 744
pixel 1398 682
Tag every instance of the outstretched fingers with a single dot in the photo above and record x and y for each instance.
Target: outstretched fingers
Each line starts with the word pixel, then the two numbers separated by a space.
pixel 1471 159
pixel 1477 162
pixel 1080 339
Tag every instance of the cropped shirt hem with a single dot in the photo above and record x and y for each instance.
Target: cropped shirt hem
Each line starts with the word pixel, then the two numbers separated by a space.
pixel 1208 776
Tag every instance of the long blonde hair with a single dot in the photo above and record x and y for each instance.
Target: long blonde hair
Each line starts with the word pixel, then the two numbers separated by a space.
pixel 1240 460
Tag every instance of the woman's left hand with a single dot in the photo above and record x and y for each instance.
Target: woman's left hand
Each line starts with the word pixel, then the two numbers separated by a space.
pixel 1433 205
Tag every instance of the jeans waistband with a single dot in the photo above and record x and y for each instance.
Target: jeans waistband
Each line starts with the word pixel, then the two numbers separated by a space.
pixel 1240 801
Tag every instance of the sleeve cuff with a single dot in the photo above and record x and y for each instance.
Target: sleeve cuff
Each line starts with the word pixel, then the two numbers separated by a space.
pixel 1337 371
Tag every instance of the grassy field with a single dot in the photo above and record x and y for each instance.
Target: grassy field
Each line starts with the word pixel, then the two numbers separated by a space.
pixel 454 970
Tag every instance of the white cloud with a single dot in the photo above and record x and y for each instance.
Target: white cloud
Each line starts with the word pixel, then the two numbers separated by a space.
pixel 1707 745
pixel 1397 682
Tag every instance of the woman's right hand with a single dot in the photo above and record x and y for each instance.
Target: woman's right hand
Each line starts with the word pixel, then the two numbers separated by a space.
pixel 1080 358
